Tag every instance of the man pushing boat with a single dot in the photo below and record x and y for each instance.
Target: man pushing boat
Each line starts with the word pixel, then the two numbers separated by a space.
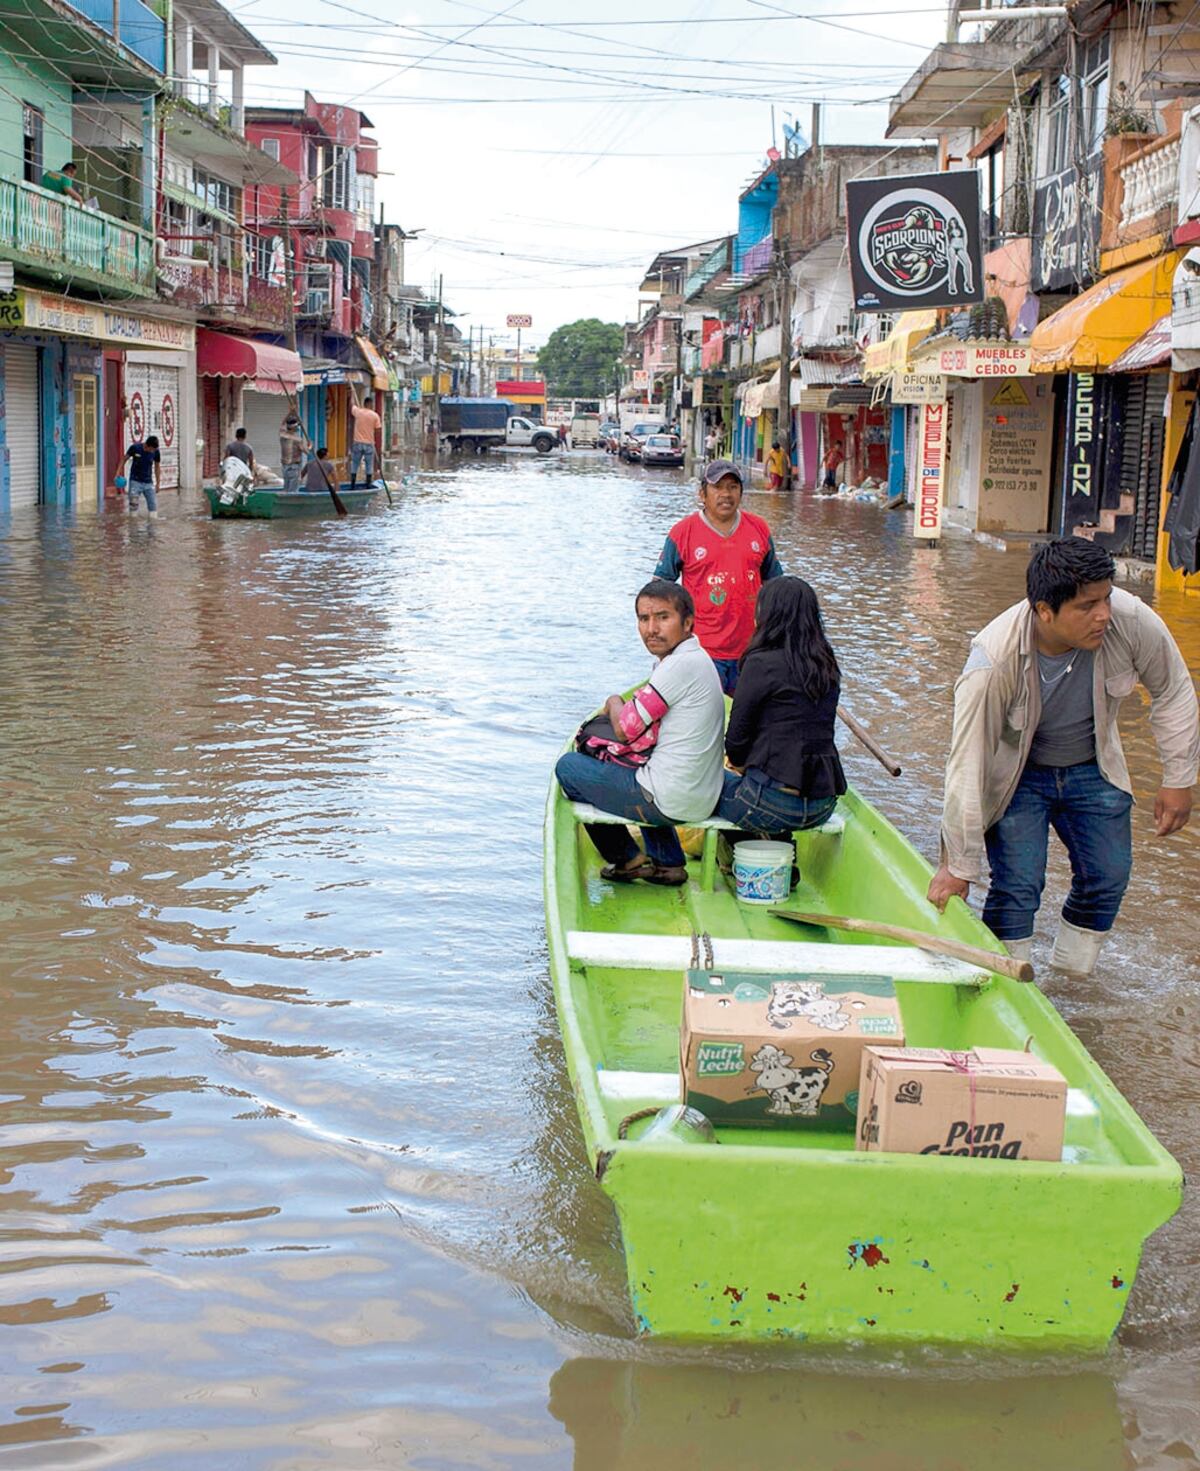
pixel 1035 746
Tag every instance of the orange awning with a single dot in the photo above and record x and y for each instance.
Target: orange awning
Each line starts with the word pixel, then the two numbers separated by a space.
pixel 1090 333
pixel 373 359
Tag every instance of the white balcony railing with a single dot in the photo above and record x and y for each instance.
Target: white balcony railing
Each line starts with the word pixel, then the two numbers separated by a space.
pixel 766 344
pixel 1151 183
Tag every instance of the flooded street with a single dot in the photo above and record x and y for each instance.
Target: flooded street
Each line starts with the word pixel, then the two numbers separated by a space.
pixel 290 1172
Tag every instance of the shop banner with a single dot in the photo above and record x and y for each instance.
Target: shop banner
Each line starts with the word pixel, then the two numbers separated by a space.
pixel 918 388
pixel 1015 457
pixel 915 241
pixel 40 312
pixel 931 471
pixel 1007 360
pixel 1066 228
pixel 1089 418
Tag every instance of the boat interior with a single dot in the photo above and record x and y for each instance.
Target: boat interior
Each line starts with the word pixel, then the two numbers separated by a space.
pixel 629 945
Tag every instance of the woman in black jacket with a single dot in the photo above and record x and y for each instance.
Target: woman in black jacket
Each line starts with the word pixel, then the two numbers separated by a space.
pixel 787 775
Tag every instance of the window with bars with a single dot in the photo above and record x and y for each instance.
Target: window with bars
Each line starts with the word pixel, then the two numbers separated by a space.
pixel 33 125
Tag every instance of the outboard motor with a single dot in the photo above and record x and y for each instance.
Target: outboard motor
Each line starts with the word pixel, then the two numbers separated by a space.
pixel 236 480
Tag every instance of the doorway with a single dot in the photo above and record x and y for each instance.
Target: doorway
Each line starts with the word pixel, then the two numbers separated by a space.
pixel 87 440
pixel 114 420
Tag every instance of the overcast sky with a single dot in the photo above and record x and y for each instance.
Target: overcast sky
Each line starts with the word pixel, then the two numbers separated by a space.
pixel 549 148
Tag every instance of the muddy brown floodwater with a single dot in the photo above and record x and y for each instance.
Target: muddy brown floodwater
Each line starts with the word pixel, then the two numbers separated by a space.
pixel 290 1174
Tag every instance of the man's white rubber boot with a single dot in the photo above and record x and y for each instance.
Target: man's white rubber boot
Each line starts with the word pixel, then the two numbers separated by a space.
pixel 1076 951
pixel 1020 949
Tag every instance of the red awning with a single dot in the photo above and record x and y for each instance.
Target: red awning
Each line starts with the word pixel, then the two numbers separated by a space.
pixel 222 355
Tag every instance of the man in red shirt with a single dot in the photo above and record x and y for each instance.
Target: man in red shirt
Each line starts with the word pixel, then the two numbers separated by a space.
pixel 722 555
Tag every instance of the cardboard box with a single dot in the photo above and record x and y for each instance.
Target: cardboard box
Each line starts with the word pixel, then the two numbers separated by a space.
pixel 985 1103
pixel 781 1050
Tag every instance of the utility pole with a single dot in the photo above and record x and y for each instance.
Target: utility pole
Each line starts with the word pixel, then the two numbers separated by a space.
pixel 437 367
pixel 784 417
pixel 518 354
pixel 289 280
pixel 470 355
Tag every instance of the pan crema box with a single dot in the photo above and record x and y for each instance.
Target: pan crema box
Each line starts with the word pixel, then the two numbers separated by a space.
pixel 781 1051
pixel 984 1103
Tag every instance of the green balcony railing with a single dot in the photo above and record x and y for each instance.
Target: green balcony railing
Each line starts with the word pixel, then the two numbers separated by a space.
pixel 47 232
pixel 706 270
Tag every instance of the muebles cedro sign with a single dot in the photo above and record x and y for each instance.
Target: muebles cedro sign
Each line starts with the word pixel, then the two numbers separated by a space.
pixel 914 241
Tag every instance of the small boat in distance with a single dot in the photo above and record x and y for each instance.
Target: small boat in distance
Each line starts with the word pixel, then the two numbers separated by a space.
pixel 766 1233
pixel 273 503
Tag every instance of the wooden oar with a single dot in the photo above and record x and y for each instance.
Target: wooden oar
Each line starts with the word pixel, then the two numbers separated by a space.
pixel 868 740
pixel 339 505
pixel 1005 965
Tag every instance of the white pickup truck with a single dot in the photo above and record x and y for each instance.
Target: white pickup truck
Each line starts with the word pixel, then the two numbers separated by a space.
pixel 525 431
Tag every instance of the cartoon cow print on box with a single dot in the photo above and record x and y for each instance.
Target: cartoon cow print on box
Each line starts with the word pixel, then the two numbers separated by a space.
pixel 795 1092
pixel 805 999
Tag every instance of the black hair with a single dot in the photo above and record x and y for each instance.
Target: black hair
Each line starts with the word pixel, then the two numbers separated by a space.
pixel 151 441
pixel 324 450
pixel 668 592
pixel 788 617
pixel 1058 569
pixel 239 434
pixel 70 164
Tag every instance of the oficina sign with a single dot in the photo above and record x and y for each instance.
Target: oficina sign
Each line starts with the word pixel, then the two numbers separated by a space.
pixel 914 241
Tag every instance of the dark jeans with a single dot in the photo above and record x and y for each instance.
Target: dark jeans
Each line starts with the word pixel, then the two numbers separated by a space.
pixel 1091 817
pixel 616 789
pixel 758 805
pixel 727 669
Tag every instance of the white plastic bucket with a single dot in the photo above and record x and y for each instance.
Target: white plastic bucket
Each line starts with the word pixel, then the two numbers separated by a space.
pixel 763 871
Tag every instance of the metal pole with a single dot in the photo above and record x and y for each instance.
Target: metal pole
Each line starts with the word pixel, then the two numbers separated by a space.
pixel 784 415
pixel 289 275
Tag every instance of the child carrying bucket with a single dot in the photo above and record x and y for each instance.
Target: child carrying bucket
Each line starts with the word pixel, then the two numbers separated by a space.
pixel 787 775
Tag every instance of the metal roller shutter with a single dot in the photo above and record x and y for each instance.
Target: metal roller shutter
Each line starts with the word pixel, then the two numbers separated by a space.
pixel 1143 431
pixel 262 413
pixel 23 425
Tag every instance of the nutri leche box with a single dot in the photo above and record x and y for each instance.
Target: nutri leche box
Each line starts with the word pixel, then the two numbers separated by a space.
pixel 984 1103
pixel 781 1051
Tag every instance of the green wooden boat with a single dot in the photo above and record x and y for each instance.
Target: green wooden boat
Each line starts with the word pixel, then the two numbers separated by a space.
pixel 273 503
pixel 795 1234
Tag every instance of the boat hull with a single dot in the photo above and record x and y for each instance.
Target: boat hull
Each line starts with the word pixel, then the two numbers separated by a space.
pixel 270 504
pixel 799 1236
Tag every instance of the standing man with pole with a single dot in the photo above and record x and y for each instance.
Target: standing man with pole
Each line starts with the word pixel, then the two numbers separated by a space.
pixel 367 425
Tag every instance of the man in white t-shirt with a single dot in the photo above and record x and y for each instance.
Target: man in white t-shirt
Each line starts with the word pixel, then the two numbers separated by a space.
pixel 682 780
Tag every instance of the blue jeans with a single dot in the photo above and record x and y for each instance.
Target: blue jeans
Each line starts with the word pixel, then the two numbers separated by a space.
pixel 1091 817
pixel 146 488
pixel 362 454
pixel 728 671
pixel 616 789
pixel 291 477
pixel 757 804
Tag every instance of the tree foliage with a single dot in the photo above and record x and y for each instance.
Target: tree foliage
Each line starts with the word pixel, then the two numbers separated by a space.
pixel 579 360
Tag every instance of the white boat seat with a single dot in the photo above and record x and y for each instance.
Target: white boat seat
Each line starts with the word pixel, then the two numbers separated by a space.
pixel 585 812
pixel 618 950
pixel 634 1087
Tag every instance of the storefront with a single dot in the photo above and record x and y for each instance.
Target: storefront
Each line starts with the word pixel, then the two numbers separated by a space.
pixel 1108 349
pixel 999 426
pixel 244 384
pixel 61 426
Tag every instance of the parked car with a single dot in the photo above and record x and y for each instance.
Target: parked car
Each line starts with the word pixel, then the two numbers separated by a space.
pixel 610 436
pixel 662 449
pixel 633 439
